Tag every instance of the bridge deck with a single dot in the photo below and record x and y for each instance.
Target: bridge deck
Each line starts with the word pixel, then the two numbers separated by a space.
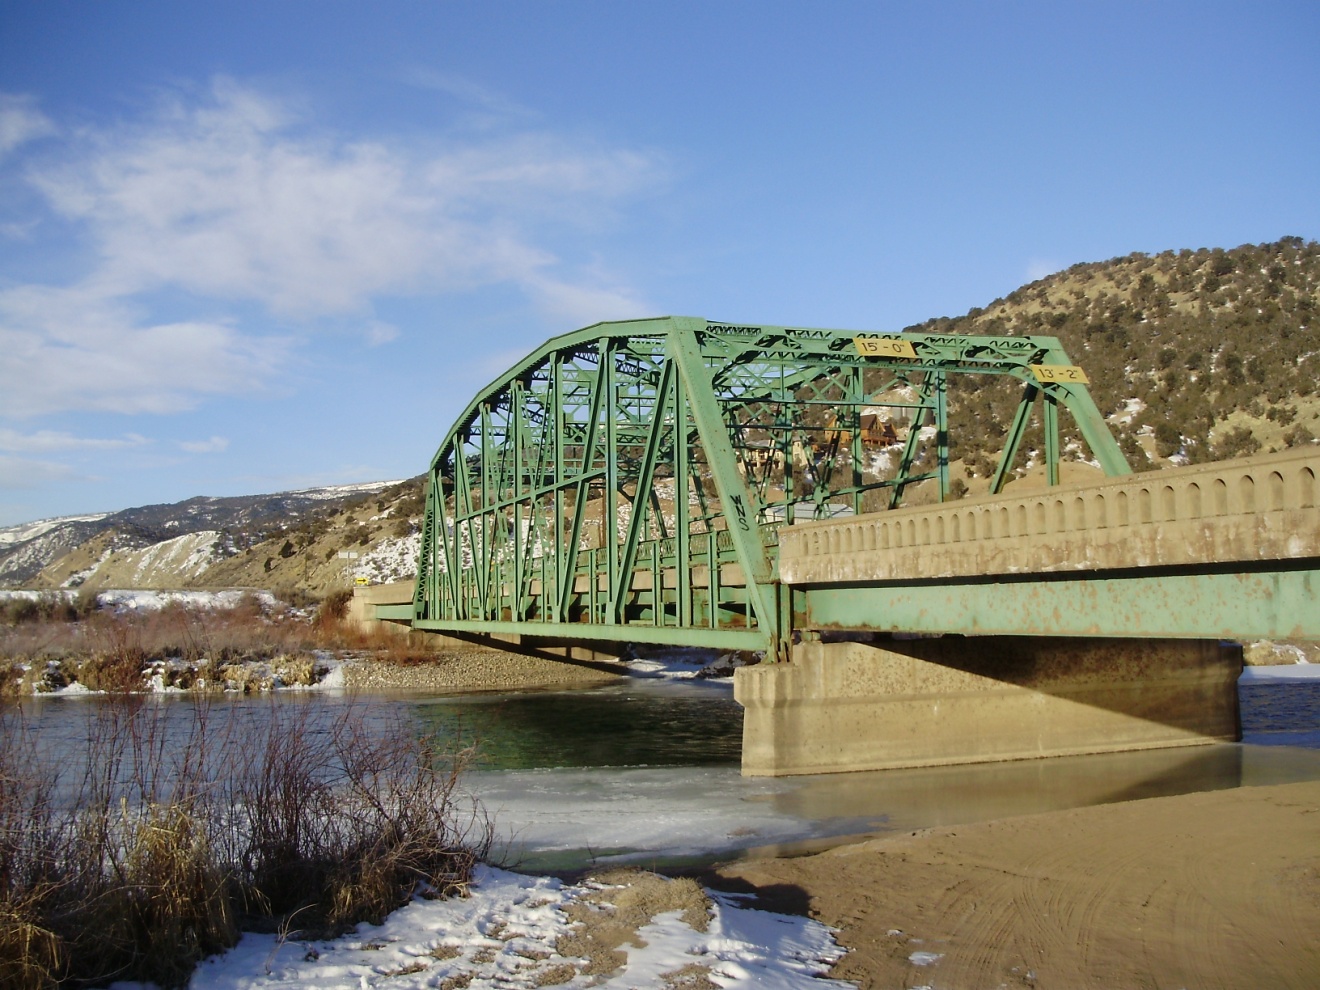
pixel 1228 550
pixel 1258 509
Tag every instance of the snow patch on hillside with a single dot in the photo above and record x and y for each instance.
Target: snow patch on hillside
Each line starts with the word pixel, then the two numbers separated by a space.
pixel 390 560
pixel 184 556
pixel 78 578
pixel 11 535
pixel 339 491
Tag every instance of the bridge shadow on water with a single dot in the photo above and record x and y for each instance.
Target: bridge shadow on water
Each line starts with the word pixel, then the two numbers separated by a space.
pixel 634 724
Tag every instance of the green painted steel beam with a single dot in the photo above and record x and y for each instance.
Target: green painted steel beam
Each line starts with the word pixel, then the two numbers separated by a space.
pixel 718 639
pixel 1277 603
pixel 740 509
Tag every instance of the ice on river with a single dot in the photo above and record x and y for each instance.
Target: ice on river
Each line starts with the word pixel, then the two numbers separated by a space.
pixel 505 934
pixel 548 819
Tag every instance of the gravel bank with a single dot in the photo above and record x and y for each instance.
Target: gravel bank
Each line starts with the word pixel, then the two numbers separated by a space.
pixel 472 670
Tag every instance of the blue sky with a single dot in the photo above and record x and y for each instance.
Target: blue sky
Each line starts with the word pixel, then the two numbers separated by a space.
pixel 246 247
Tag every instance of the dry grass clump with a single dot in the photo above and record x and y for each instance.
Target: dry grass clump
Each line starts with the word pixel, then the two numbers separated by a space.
pixel 246 631
pixel 44 645
pixel 163 836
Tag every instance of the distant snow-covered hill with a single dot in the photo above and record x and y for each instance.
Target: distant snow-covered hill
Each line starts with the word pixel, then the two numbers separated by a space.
pixel 163 545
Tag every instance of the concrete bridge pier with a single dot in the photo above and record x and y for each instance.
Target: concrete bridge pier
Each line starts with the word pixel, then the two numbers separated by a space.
pixel 929 702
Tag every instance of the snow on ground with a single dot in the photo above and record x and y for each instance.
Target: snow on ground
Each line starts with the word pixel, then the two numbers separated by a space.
pixel 1131 409
pixel 337 491
pixel 676 662
pixel 9 535
pixel 187 555
pixel 150 601
pixel 504 935
pixel 391 560
pixel 78 578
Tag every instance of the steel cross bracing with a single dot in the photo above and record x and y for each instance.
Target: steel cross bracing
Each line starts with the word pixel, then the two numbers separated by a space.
pixel 626 482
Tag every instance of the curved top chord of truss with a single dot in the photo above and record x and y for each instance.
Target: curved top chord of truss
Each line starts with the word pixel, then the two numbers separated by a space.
pixel 626 481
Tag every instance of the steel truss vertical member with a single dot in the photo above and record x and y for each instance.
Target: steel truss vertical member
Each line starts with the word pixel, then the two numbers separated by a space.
pixel 586 475
pixel 610 517
pixel 1014 438
pixel 1050 414
pixel 740 510
pixel 641 501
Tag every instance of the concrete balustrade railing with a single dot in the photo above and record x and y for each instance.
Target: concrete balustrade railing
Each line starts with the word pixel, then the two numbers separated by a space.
pixel 1258 508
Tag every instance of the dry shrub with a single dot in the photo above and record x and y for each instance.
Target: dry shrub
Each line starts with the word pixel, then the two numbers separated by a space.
pixel 29 954
pixel 296 671
pixel 245 633
pixel 178 632
pixel 159 839
pixel 119 671
pixel 346 824
pixel 334 608
pixel 160 908
pixel 11 678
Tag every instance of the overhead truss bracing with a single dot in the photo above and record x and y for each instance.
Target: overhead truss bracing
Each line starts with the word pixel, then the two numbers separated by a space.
pixel 626 482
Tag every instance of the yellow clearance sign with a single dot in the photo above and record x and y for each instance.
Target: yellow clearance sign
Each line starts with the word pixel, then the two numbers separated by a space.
pixel 1065 374
pixel 885 347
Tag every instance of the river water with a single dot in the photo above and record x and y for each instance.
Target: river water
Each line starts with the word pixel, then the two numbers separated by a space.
pixel 646 771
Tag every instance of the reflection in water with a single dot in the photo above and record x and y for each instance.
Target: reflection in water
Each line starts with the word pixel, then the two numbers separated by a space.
pixel 648 769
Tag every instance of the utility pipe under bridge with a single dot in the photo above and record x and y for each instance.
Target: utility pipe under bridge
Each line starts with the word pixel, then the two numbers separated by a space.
pixel 641 482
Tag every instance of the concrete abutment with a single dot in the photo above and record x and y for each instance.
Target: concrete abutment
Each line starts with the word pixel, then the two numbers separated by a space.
pixel 929 702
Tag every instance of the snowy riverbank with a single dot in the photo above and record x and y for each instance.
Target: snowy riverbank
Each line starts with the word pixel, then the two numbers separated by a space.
pixel 517 931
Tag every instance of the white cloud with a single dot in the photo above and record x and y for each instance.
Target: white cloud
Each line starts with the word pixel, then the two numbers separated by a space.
pixel 225 201
pixel 18 472
pixel 494 103
pixel 579 304
pixel 77 349
pixel 1038 268
pixel 215 445
pixel 232 200
pixel 47 441
pixel 21 122
pixel 377 333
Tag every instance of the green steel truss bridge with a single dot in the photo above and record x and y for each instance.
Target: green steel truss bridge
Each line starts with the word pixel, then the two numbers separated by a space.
pixel 630 482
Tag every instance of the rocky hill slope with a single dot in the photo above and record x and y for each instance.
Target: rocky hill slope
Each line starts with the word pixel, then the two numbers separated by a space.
pixel 1192 355
pixel 284 541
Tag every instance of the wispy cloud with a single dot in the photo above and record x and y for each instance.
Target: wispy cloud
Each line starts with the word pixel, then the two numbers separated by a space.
pixel 21 122
pixel 20 472
pixel 377 333
pixel 1038 268
pixel 215 445
pixel 233 200
pixel 49 441
pixel 466 90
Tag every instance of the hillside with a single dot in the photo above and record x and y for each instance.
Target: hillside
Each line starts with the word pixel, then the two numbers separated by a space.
pixel 1192 355
pixel 218 542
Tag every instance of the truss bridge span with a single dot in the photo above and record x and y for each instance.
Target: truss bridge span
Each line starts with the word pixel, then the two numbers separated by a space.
pixel 787 491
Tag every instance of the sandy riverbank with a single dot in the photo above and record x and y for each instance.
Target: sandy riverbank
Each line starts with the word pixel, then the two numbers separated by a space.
pixel 475 670
pixel 1216 889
